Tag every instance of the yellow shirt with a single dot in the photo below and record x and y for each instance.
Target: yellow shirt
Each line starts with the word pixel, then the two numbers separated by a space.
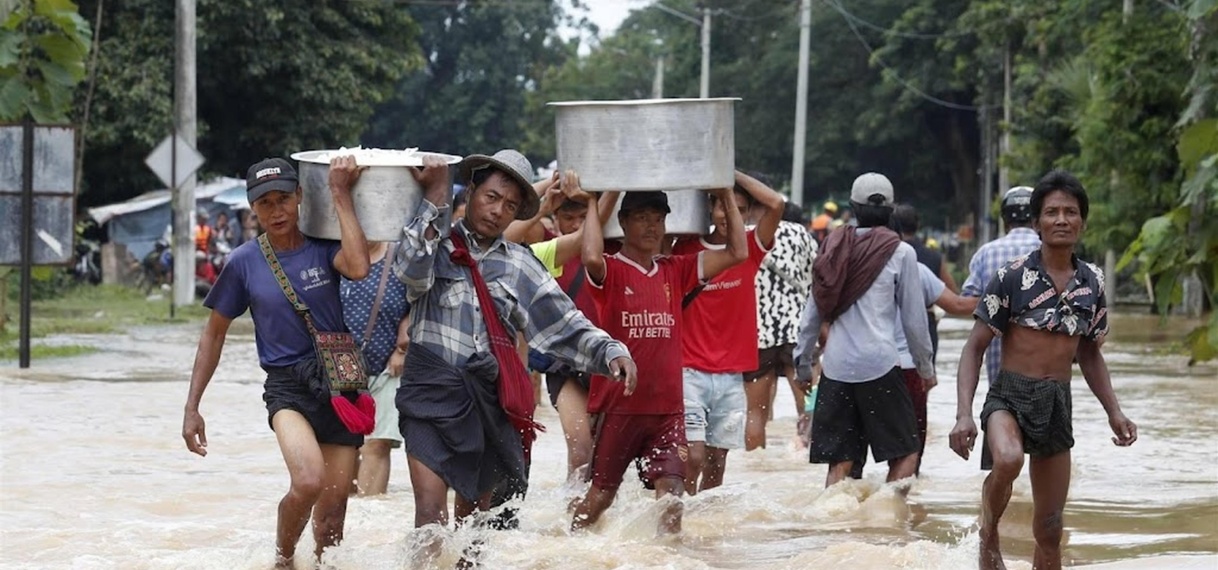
pixel 546 252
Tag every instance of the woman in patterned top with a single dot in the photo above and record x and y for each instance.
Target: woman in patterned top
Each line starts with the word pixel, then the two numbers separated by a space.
pixel 783 285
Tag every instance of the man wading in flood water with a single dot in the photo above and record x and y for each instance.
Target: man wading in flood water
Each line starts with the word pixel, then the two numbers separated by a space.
pixel 1049 309
pixel 317 444
pixel 860 279
pixel 465 404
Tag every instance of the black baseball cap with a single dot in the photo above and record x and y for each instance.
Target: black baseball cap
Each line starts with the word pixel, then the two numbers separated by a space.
pixel 269 175
pixel 640 200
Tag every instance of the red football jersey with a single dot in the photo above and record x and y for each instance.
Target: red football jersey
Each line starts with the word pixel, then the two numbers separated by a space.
pixel 573 271
pixel 721 323
pixel 642 308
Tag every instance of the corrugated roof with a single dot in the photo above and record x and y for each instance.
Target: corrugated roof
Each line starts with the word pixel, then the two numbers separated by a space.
pixel 206 191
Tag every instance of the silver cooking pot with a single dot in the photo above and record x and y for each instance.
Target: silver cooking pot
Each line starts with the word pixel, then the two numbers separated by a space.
pixel 690 214
pixel 651 144
pixel 385 197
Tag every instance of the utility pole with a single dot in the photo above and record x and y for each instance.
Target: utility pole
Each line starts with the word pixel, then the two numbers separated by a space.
pixel 706 30
pixel 705 23
pixel 801 104
pixel 657 85
pixel 1004 145
pixel 987 176
pixel 184 108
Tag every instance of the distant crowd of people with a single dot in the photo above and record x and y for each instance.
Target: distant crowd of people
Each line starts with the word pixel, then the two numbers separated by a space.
pixel 659 351
pixel 213 241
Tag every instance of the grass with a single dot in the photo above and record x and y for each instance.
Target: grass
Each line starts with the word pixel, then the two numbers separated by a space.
pixel 88 310
pixel 10 351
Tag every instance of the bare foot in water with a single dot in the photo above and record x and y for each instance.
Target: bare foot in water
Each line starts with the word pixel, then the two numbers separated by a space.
pixel 283 563
pixel 991 555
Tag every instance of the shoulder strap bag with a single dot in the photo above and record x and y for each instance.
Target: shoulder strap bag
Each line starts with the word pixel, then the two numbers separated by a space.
pixel 338 357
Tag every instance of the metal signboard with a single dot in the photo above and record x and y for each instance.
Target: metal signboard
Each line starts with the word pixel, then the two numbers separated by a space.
pixel 54 198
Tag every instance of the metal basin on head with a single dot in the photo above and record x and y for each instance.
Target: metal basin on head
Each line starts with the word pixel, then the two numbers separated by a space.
pixel 649 144
pixel 386 195
pixel 690 215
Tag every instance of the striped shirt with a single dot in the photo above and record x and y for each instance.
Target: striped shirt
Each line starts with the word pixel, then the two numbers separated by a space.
pixel 447 319
pixel 985 265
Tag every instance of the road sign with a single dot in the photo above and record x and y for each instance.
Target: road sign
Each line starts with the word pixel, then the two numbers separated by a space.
pixel 161 160
pixel 53 189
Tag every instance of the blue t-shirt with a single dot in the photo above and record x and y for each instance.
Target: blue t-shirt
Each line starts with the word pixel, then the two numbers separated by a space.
pixel 358 297
pixel 246 282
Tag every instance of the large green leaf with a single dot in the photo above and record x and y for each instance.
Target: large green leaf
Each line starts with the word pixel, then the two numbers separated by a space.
pixel 13 94
pixel 1203 341
pixel 10 48
pixel 55 76
pixel 1198 9
pixel 53 7
pixel 1203 182
pixel 1197 142
pixel 64 51
pixel 42 109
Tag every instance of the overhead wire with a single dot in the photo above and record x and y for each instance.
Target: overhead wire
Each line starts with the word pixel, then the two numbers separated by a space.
pixel 891 32
pixel 894 75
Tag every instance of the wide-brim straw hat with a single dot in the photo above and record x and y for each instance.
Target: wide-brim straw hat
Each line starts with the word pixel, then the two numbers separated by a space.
pixel 514 165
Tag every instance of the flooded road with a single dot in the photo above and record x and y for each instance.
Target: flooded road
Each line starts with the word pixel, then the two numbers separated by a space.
pixel 94 475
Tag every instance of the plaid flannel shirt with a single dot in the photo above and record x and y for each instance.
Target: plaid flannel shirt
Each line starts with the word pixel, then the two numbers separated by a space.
pixel 447 319
pixel 985 265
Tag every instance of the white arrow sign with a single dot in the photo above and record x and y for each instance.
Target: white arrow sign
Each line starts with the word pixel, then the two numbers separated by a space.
pixel 161 160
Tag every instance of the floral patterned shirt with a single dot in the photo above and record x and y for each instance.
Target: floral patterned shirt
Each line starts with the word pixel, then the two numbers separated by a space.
pixel 1023 293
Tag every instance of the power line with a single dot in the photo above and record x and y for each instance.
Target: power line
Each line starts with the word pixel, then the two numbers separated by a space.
pixel 734 16
pixel 893 74
pixel 889 31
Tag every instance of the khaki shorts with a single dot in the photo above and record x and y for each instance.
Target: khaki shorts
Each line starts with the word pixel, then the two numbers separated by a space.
pixel 384 388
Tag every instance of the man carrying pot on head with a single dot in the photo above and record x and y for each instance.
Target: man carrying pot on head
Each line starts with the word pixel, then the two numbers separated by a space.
pixel 638 294
pixel 316 442
pixel 719 341
pixel 465 401
pixel 560 254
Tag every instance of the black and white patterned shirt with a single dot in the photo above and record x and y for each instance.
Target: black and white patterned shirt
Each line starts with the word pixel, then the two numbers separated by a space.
pixel 1022 293
pixel 783 285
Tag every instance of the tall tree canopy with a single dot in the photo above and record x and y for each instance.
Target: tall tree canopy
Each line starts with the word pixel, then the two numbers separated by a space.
pixel 480 60
pixel 273 78
pixel 859 118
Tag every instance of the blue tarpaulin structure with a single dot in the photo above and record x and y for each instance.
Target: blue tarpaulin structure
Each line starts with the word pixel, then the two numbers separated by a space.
pixel 139 222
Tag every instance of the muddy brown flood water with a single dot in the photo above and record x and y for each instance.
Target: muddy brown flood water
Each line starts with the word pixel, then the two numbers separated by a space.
pixel 94 475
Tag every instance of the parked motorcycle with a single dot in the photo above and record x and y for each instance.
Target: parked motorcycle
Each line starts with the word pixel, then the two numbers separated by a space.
pixel 87 267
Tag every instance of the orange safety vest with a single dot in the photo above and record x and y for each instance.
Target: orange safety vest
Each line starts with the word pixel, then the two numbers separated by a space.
pixel 202 238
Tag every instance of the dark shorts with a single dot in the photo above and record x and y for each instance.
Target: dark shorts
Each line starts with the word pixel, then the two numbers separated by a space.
pixel 777 359
pixel 851 416
pixel 1042 408
pixel 917 394
pixel 556 380
pixel 284 391
pixel 656 442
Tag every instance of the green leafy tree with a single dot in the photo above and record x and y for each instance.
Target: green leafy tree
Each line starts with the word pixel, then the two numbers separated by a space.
pixel 479 61
pixel 1180 245
pixel 272 78
pixel 1135 66
pixel 858 121
pixel 43 44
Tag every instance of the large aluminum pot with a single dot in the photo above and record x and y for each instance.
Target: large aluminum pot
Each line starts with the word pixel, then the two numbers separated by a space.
pixel 386 195
pixel 690 214
pixel 651 144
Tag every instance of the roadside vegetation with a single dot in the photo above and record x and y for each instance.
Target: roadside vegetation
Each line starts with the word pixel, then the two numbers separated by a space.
pixel 60 307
